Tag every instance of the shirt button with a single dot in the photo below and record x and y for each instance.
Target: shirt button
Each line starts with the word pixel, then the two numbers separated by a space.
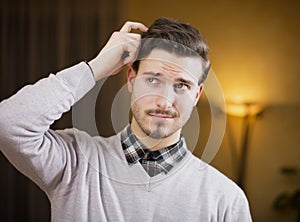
pixel 150 156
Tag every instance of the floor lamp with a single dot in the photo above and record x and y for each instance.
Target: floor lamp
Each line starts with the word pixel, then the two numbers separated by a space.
pixel 249 113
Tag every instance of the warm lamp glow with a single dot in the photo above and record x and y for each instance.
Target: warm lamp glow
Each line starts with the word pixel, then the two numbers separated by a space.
pixel 249 112
pixel 243 109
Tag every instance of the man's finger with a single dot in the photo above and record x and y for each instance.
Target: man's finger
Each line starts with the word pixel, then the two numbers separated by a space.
pixel 130 52
pixel 128 26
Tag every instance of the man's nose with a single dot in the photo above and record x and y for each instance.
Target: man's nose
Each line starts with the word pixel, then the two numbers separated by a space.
pixel 165 99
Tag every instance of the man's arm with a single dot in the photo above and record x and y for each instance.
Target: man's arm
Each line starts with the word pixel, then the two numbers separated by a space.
pixel 25 138
pixel 25 118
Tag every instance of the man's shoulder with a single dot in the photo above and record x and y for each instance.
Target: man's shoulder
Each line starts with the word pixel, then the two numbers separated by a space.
pixel 84 142
pixel 213 186
pixel 93 148
pixel 213 177
pixel 93 143
pixel 82 136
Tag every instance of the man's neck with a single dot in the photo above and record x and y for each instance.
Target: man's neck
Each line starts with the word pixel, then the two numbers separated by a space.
pixel 153 143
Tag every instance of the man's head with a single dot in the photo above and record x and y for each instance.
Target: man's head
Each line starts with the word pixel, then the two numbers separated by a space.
pixel 166 81
pixel 175 37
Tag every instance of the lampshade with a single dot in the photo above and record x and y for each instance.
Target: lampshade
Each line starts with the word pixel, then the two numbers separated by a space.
pixel 243 109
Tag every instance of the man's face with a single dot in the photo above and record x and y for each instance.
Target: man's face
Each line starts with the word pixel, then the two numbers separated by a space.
pixel 164 92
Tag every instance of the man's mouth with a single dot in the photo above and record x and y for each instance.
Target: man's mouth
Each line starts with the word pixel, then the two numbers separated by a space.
pixel 162 114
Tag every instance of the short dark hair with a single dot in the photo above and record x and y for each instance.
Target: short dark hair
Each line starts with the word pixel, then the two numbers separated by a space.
pixel 174 37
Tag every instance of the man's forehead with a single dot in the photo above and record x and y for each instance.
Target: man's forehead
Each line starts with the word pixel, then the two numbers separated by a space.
pixel 173 65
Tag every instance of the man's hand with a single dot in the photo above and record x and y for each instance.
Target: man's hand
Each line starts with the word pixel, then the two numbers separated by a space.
pixel 121 49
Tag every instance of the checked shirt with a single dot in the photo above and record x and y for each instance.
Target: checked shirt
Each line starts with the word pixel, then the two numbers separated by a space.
pixel 154 162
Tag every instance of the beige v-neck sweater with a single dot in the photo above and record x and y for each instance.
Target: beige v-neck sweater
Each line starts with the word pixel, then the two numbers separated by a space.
pixel 88 179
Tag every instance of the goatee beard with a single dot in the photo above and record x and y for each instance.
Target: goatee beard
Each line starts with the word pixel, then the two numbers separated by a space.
pixel 158 133
pixel 157 130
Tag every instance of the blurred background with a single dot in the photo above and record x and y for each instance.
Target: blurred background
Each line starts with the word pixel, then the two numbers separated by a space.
pixel 254 50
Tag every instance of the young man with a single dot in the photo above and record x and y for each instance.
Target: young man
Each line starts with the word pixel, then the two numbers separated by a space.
pixel 145 172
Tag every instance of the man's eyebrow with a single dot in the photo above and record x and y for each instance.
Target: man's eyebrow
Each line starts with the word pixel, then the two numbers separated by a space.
pixel 152 73
pixel 182 80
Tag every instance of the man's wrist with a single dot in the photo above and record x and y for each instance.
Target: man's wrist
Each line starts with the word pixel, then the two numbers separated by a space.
pixel 90 68
pixel 97 69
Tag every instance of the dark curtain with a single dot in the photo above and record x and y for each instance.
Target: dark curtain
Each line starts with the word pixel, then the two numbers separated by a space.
pixel 39 37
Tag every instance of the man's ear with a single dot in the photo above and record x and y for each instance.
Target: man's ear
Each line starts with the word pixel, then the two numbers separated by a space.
pixel 198 94
pixel 131 74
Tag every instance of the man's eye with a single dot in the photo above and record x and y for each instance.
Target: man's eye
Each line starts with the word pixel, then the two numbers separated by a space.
pixel 152 80
pixel 181 86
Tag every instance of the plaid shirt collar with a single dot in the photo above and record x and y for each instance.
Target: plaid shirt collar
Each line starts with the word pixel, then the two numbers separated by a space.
pixel 154 162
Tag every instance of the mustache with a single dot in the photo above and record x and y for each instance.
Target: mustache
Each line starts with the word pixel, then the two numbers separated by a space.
pixel 162 112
